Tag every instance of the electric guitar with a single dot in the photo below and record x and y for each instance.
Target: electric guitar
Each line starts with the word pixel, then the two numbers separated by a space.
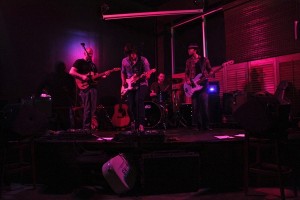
pixel 196 82
pixel 130 82
pixel 120 117
pixel 93 78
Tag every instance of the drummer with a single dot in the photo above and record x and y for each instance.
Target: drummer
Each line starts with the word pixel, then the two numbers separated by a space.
pixel 160 90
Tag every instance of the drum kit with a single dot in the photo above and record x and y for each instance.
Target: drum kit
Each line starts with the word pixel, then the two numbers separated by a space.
pixel 166 111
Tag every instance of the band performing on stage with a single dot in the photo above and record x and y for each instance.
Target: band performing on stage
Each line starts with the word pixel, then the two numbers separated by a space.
pixel 143 104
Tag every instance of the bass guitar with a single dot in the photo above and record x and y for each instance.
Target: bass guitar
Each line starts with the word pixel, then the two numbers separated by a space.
pixel 190 89
pixel 93 78
pixel 130 82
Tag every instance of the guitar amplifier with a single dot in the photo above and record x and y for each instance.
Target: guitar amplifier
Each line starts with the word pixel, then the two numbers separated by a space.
pixel 170 172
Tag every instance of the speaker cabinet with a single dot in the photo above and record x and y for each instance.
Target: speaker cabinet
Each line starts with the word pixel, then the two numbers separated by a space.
pixel 170 172
pixel 214 108
pixel 263 116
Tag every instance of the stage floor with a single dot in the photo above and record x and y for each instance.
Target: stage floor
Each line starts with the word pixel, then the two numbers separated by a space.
pixel 66 164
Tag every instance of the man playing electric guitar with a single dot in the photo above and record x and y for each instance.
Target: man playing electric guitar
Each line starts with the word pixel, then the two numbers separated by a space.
pixel 82 71
pixel 134 66
pixel 197 64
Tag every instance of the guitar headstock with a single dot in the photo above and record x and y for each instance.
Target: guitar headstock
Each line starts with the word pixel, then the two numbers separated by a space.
pixel 152 70
pixel 230 62
pixel 116 69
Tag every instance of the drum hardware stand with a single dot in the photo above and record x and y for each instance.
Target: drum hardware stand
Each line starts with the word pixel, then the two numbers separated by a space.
pixel 101 107
pixel 179 120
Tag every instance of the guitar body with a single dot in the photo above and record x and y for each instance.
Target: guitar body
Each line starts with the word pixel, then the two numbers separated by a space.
pixel 130 85
pixel 120 117
pixel 82 85
pixel 132 80
pixel 191 89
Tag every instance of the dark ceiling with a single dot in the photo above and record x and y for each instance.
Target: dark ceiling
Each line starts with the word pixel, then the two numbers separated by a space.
pixel 200 3
pixel 151 3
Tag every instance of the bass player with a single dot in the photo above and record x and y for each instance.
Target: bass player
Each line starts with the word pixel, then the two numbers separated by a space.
pixel 195 65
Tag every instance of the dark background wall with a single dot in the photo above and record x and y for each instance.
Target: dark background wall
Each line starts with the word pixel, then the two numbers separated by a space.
pixel 35 34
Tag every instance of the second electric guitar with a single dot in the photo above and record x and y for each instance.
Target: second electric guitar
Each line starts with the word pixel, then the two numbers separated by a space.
pixel 199 79
pixel 131 81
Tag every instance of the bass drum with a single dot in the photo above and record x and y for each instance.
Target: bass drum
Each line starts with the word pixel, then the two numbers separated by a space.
pixel 154 114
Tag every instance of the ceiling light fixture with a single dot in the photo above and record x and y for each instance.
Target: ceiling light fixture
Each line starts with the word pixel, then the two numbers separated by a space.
pixel 151 14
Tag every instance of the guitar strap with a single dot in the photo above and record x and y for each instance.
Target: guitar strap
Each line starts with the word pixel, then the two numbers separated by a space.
pixel 201 67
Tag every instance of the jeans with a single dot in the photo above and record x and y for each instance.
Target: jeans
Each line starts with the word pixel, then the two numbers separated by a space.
pixel 136 105
pixel 89 102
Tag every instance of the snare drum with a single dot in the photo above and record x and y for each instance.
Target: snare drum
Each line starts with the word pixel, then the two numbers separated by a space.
pixel 154 114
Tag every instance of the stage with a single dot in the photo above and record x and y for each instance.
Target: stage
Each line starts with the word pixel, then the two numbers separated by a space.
pixel 208 159
pixel 178 160
pixel 166 161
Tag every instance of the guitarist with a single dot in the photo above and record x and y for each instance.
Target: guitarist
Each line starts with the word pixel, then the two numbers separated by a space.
pixel 81 70
pixel 196 64
pixel 135 65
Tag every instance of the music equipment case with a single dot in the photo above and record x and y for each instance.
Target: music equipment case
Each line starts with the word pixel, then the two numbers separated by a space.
pixel 169 172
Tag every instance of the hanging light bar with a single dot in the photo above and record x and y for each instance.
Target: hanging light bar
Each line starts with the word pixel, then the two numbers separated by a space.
pixel 151 14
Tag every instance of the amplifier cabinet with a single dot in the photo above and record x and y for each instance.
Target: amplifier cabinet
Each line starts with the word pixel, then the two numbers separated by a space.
pixel 170 172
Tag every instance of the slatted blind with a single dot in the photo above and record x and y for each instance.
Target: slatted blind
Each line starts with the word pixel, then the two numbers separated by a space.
pixel 236 77
pixel 219 77
pixel 257 29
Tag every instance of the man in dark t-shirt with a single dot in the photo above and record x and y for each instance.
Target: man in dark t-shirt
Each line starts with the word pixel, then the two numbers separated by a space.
pixel 82 70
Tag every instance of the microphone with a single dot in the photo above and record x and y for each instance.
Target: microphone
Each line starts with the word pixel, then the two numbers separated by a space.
pixel 82 44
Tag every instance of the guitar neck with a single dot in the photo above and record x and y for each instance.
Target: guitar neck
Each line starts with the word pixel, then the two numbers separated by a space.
pixel 143 75
pixel 101 74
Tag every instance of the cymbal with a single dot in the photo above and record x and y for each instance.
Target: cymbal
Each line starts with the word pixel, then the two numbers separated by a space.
pixel 176 80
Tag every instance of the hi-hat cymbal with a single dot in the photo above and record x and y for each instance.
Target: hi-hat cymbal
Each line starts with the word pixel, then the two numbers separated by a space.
pixel 176 80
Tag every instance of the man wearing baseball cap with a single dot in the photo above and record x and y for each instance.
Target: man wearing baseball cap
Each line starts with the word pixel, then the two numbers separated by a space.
pixel 195 65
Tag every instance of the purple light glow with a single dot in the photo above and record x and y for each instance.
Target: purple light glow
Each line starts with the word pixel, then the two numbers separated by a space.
pixel 68 47
pixel 212 89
